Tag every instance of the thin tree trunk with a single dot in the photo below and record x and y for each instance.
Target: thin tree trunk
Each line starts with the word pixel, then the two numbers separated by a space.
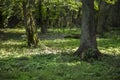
pixel 88 47
pixel 41 20
pixel 1 20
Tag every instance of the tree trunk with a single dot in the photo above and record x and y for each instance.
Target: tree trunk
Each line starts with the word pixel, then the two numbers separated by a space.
pixel 114 15
pixel 41 20
pixel 102 17
pixel 88 47
pixel 31 30
pixel 1 20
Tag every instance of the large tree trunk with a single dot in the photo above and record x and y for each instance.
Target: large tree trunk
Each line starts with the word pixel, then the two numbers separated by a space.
pixel 88 46
pixel 31 30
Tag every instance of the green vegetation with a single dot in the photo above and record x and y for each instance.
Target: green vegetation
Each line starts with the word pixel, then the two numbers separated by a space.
pixel 40 40
pixel 54 60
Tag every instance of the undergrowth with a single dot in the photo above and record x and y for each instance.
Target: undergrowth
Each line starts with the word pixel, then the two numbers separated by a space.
pixel 54 60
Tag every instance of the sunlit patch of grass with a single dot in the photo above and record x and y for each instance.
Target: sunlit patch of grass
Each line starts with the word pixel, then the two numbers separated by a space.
pixel 62 44
pixel 17 30
pixel 56 67
pixel 110 44
pixel 65 30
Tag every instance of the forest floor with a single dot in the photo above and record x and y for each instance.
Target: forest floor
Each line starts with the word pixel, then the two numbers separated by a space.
pixel 54 60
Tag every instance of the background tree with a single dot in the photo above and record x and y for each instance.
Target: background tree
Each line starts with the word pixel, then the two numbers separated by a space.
pixel 108 15
pixel 114 15
pixel 41 17
pixel 88 45
pixel 103 13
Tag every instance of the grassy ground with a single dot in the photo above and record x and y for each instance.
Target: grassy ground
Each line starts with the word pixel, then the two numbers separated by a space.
pixel 53 59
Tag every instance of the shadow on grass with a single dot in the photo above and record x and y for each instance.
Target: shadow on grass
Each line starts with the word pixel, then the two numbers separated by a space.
pixel 18 36
pixel 61 66
pixel 51 36
pixel 11 40
pixel 4 36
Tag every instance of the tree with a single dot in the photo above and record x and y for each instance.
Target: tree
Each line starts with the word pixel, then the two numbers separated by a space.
pixel 104 9
pixel 31 30
pixel 88 46
pixel 108 15
pixel 1 20
pixel 114 15
pixel 41 18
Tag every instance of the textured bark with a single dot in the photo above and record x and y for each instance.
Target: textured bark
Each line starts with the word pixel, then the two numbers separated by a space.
pixel 31 30
pixel 88 35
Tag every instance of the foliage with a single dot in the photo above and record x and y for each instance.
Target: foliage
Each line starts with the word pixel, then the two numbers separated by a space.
pixel 111 1
pixel 58 7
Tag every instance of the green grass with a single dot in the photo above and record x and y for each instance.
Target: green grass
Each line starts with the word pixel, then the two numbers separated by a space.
pixel 54 60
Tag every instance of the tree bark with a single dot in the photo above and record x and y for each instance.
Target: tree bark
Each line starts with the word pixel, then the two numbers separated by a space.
pixel 88 46
pixel 31 30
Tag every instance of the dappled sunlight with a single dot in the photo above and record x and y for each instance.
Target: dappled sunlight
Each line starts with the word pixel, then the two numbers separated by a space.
pixel 53 59
pixel 111 50
pixel 58 66
pixel 12 42
pixel 17 30
pixel 62 44
pixel 109 45
pixel 59 40
pixel 74 63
